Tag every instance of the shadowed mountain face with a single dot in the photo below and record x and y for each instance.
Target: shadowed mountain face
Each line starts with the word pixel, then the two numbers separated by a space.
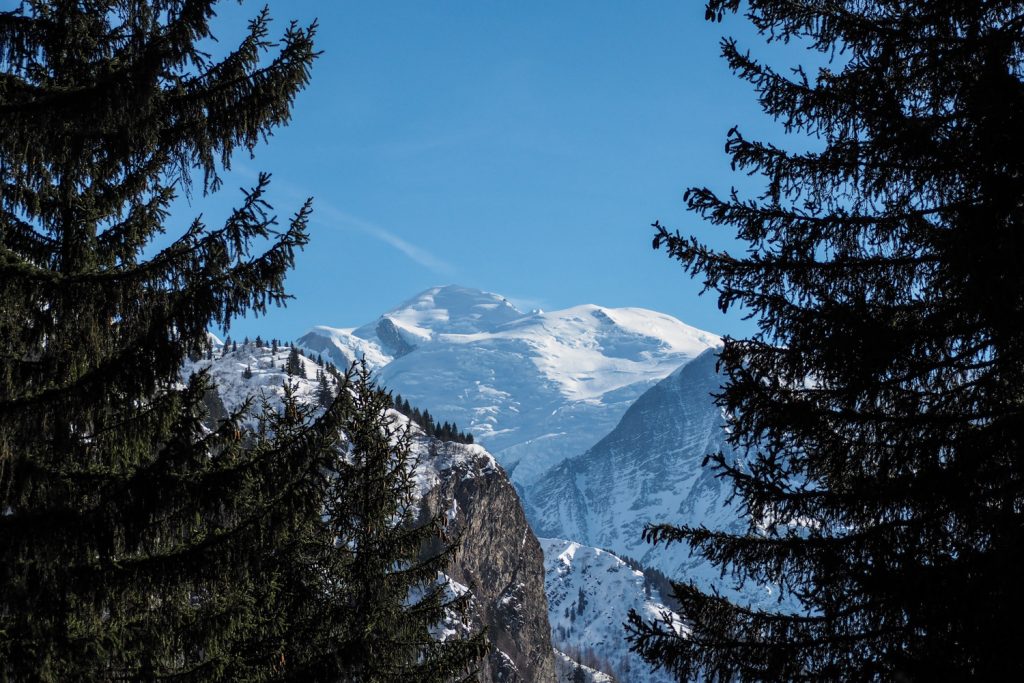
pixel 648 469
pixel 534 388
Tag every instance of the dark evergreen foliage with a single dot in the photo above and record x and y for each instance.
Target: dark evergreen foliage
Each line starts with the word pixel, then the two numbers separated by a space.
pixel 877 415
pixel 379 563
pixel 136 543
pixel 293 366
pixel 324 393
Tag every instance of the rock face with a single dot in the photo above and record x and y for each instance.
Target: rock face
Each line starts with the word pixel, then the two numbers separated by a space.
pixel 648 469
pixel 499 559
pixel 392 339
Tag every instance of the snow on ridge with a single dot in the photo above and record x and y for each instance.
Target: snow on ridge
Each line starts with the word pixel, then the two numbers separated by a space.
pixel 435 459
pixel 447 309
pixel 342 346
pixel 268 376
pixel 608 588
pixel 535 388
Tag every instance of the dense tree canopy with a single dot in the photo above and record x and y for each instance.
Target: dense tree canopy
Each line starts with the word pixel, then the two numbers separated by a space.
pixel 137 537
pixel 877 415
pixel 386 598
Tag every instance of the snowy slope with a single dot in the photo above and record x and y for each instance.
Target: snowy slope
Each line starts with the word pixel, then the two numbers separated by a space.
pixel 343 347
pixel 268 375
pixel 534 388
pixel 480 508
pixel 648 469
pixel 608 589
pixel 565 670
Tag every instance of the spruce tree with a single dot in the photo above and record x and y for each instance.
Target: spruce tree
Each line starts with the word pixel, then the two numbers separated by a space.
pixel 137 542
pixel 380 561
pixel 293 366
pixel 324 394
pixel 876 415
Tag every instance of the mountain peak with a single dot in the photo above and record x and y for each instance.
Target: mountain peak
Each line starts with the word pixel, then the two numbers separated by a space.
pixel 534 388
pixel 449 309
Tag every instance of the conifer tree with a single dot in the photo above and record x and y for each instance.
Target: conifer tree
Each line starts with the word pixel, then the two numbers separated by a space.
pixel 136 542
pixel 381 562
pixel 324 395
pixel 877 414
pixel 293 366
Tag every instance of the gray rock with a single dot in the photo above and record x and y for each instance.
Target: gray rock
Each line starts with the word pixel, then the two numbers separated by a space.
pixel 499 560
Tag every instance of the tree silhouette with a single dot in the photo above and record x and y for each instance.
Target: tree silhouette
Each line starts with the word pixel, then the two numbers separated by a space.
pixel 877 414
pixel 139 539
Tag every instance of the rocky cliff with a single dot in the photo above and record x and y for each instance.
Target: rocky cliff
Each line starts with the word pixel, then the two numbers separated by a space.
pixel 499 559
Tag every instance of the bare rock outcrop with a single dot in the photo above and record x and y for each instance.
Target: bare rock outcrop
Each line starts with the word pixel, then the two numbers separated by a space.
pixel 499 559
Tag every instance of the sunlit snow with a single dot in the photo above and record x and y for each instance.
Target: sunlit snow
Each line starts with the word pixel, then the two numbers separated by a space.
pixel 535 388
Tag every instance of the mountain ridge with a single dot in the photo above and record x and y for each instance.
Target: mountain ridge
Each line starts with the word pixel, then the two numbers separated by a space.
pixel 535 387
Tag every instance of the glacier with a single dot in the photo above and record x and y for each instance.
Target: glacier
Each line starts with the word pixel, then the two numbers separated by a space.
pixel 535 388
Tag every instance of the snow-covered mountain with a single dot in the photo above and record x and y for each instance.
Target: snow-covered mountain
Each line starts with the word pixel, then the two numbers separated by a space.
pixel 499 561
pixel 535 388
pixel 590 592
pixel 648 469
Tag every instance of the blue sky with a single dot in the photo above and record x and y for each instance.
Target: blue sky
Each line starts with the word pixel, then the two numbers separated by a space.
pixel 518 147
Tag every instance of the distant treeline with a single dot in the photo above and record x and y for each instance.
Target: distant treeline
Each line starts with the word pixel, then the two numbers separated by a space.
pixel 654 580
pixel 444 431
